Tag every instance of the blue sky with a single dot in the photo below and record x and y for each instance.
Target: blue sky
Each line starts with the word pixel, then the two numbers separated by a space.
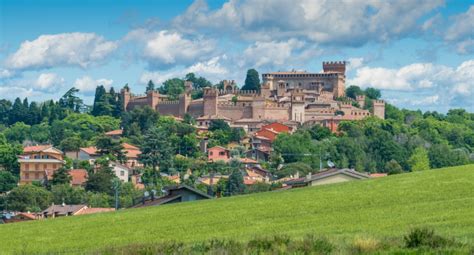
pixel 419 53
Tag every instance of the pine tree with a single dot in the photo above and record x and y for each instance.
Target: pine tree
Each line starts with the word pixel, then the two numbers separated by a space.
pixel 18 112
pixel 235 184
pixel 157 149
pixel 150 86
pixel 61 176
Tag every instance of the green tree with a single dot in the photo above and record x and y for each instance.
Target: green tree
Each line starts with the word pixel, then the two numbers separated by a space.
pixel 101 180
pixel 235 184
pixel 64 193
pixel 373 93
pixel 318 132
pixel 70 101
pixel 102 104
pixel 353 91
pixel 9 156
pixel 392 167
pixel 157 149
pixel 108 146
pixel 218 125
pixel 150 86
pixel 28 198
pixel 292 169
pixel 173 88
pixel 61 176
pixel 252 80
pixel 419 160
pixel 7 181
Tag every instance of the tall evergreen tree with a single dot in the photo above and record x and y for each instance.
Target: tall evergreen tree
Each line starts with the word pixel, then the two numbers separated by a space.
pixel 157 149
pixel 252 81
pixel 18 111
pixel 150 86
pixel 102 104
pixel 61 176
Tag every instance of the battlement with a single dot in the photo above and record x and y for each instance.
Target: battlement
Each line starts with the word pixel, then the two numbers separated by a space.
pixel 210 92
pixel 334 67
pixel 168 102
pixel 379 102
pixel 276 106
pixel 232 104
pixel 346 104
pixel 360 97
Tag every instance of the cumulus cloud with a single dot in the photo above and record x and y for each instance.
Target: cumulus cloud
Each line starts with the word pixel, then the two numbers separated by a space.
pixel 86 84
pixel 350 23
pixel 461 31
pixel 272 53
pixel 166 48
pixel 422 83
pixel 211 69
pixel 67 49
pixel 48 81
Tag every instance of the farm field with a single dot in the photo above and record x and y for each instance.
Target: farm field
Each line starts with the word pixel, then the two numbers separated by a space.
pixel 441 199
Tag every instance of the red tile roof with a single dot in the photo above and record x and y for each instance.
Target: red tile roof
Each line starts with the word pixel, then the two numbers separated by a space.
pixel 90 150
pixel 128 146
pixel 79 176
pixel 278 127
pixel 36 148
pixel 115 132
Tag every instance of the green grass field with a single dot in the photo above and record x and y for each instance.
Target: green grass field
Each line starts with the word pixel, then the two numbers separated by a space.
pixel 441 199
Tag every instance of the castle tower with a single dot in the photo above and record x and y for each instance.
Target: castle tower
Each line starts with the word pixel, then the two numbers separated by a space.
pixel 152 98
pixel 361 101
pixel 335 67
pixel 297 106
pixel 210 101
pixel 378 108
pixel 125 91
pixel 258 108
pixel 265 91
pixel 185 98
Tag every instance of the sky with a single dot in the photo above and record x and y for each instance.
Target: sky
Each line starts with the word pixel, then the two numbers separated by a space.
pixel 420 54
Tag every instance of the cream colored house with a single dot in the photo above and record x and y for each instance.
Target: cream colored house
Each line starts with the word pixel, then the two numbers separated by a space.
pixel 329 176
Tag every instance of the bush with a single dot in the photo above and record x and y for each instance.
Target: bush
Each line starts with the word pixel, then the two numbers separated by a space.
pixel 425 237
pixel 364 245
pixel 312 245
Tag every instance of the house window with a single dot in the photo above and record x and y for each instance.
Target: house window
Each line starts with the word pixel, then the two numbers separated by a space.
pixel 27 167
pixel 122 173
pixel 45 166
pixel 27 176
pixel 36 175
pixel 221 153
pixel 210 153
pixel 37 167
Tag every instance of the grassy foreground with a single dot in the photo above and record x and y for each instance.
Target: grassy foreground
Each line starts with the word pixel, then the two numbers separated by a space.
pixel 441 199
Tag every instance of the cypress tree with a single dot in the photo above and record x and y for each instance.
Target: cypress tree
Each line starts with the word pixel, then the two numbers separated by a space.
pixel 252 81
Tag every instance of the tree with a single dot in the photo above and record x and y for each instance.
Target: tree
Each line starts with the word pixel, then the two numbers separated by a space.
pixel 157 149
pixel 18 112
pixel 319 132
pixel 373 93
pixel 392 167
pixel 9 156
pixel 61 176
pixel 64 193
pixel 354 91
pixel 235 184
pixel 292 168
pixel 150 86
pixel 70 101
pixel 7 181
pixel 101 180
pixel 419 160
pixel 102 104
pixel 252 80
pixel 218 125
pixel 108 146
pixel 28 198
pixel 173 88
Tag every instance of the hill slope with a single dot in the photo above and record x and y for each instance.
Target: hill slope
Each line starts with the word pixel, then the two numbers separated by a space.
pixel 442 199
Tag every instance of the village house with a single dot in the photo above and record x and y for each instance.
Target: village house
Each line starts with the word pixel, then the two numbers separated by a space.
pixel 121 171
pixel 38 163
pixel 71 210
pixel 14 217
pixel 176 194
pixel 115 134
pixel 329 176
pixel 263 139
pixel 91 154
pixel 218 153
pixel 78 177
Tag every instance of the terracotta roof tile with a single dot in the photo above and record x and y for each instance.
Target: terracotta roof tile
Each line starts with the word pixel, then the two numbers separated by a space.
pixel 79 176
pixel 36 148
pixel 115 132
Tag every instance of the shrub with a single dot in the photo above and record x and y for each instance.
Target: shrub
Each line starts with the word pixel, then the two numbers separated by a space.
pixel 425 237
pixel 364 245
pixel 312 245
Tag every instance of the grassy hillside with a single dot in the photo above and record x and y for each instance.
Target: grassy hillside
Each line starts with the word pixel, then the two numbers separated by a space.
pixel 442 199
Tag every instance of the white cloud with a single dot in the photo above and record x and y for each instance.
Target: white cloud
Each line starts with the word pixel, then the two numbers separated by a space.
pixel 48 81
pixel 337 22
pixel 166 48
pixel 70 49
pixel 86 84
pixel 354 63
pixel 4 74
pixel 422 84
pixel 461 31
pixel 272 53
pixel 211 67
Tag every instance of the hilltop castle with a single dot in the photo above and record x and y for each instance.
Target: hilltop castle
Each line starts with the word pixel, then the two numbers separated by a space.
pixel 295 96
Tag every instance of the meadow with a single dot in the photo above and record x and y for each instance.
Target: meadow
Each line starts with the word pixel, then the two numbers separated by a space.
pixel 384 208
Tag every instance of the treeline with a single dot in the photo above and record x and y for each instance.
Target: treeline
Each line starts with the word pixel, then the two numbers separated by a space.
pixel 405 141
